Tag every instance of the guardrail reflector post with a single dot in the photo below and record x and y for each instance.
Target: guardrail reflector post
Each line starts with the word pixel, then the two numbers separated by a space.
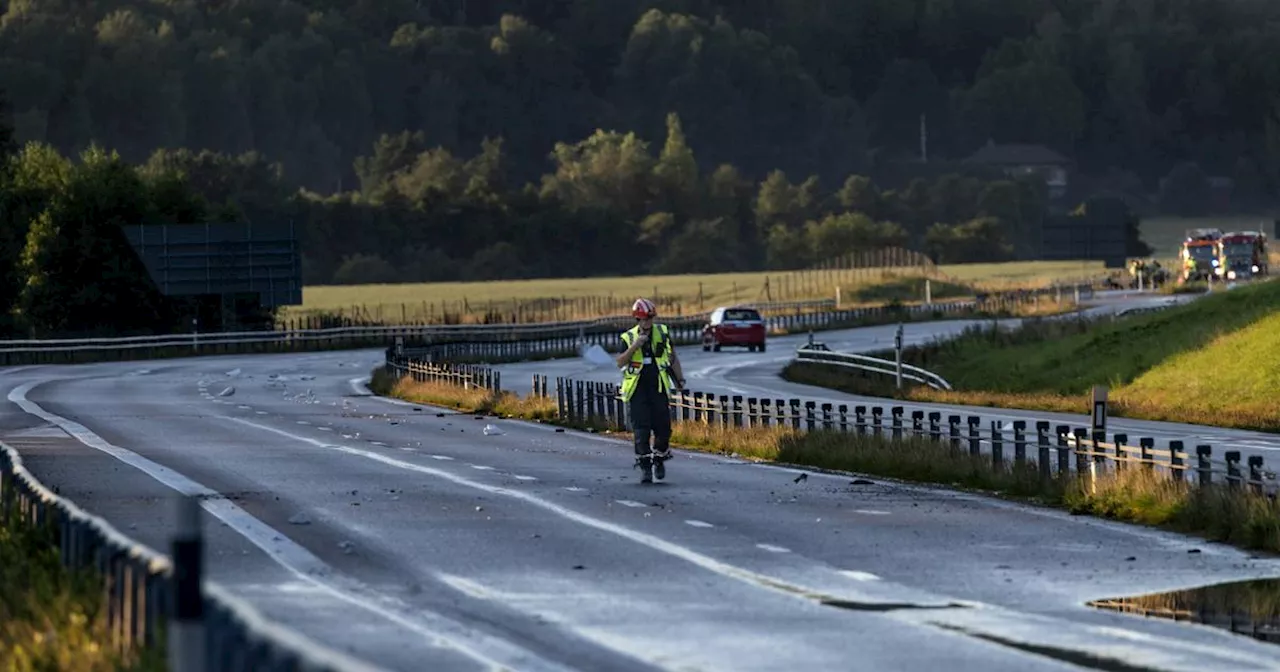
pixel 186 634
pixel 1100 412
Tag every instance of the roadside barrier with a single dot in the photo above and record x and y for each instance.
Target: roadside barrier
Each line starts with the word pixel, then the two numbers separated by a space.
pixel 206 629
pixel 1057 449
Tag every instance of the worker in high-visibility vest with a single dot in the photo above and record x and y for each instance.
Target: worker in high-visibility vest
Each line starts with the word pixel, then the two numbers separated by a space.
pixel 650 371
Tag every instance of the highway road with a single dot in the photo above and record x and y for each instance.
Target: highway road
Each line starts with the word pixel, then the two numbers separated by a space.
pixel 412 538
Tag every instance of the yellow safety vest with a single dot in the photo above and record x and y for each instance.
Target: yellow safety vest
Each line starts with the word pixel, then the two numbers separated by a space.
pixel 631 372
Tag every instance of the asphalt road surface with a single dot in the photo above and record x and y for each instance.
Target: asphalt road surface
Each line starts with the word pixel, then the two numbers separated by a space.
pixel 414 539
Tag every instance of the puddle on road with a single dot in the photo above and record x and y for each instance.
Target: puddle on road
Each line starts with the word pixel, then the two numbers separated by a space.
pixel 1249 608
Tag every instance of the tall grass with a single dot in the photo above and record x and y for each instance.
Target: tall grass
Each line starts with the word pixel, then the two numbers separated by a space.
pixel 50 618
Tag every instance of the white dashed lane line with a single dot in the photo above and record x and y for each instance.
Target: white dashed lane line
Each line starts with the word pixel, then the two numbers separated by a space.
pixel 574 488
pixel 628 502
pixel 773 549
pixel 518 477
pixel 698 523
pixel 481 467
pixel 869 512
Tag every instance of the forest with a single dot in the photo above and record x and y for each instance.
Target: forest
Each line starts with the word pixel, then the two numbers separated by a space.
pixel 475 139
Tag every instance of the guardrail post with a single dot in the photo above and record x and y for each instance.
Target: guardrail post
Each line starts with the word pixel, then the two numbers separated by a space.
pixel 1019 443
pixel 580 402
pixel 186 633
pixel 1083 461
pixel 826 417
pixel 737 410
pixel 997 444
pixel 917 423
pixel 697 406
pixel 975 435
pixel 1177 460
pixel 1043 448
pixel 795 413
pixel 1204 465
pixel 753 410
pixel 895 414
pixel 877 419
pixel 844 417
pixel 935 425
pixel 1233 468
pixel 1255 473
pixel 1064 449
pixel 954 422
pixel 810 416
pixel 726 411
pixel 860 419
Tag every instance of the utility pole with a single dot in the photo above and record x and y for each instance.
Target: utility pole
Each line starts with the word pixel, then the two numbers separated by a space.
pixel 924 140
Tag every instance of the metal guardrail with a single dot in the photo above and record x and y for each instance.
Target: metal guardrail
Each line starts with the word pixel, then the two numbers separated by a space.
pixel 146 592
pixel 870 365
pixel 1059 449
pixel 806 315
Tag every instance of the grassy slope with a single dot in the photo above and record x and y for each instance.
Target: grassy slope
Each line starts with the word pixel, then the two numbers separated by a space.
pixel 1209 362
pixel 1113 354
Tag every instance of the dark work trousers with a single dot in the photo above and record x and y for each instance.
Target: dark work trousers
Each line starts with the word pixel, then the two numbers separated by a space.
pixel 650 415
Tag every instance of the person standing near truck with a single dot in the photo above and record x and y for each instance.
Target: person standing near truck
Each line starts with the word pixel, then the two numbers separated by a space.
pixel 650 371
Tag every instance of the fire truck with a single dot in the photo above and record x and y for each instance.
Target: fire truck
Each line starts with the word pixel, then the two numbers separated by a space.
pixel 1242 255
pixel 1200 254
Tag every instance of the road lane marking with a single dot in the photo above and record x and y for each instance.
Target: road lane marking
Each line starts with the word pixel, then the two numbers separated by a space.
pixel 518 477
pixel 773 549
pixel 481 467
pixel 300 561
pixel 859 576
pixel 630 503
pixel 698 523
pixel 870 512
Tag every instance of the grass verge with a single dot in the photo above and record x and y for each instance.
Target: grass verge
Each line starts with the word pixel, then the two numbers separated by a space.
pixel 1208 362
pixel 1237 517
pixel 50 618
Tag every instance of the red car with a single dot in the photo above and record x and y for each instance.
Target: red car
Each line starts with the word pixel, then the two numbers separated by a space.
pixel 734 326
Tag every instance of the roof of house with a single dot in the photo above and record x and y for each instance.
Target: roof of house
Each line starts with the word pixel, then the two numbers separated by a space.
pixel 993 154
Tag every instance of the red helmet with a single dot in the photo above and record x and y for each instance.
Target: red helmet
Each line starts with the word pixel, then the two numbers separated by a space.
pixel 643 308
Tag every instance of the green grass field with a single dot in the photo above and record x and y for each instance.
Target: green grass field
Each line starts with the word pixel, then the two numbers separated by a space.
pixel 570 298
pixel 1211 362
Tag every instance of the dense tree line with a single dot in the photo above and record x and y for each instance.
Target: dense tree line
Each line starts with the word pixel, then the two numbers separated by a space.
pixel 821 87
pixel 459 139
pixel 617 203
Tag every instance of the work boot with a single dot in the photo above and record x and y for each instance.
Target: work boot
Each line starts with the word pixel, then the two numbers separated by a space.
pixel 660 464
pixel 646 469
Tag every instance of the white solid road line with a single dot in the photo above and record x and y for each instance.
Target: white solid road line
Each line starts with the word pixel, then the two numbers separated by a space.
pixel 298 560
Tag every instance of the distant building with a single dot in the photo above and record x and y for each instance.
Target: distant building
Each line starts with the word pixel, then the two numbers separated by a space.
pixel 1023 160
